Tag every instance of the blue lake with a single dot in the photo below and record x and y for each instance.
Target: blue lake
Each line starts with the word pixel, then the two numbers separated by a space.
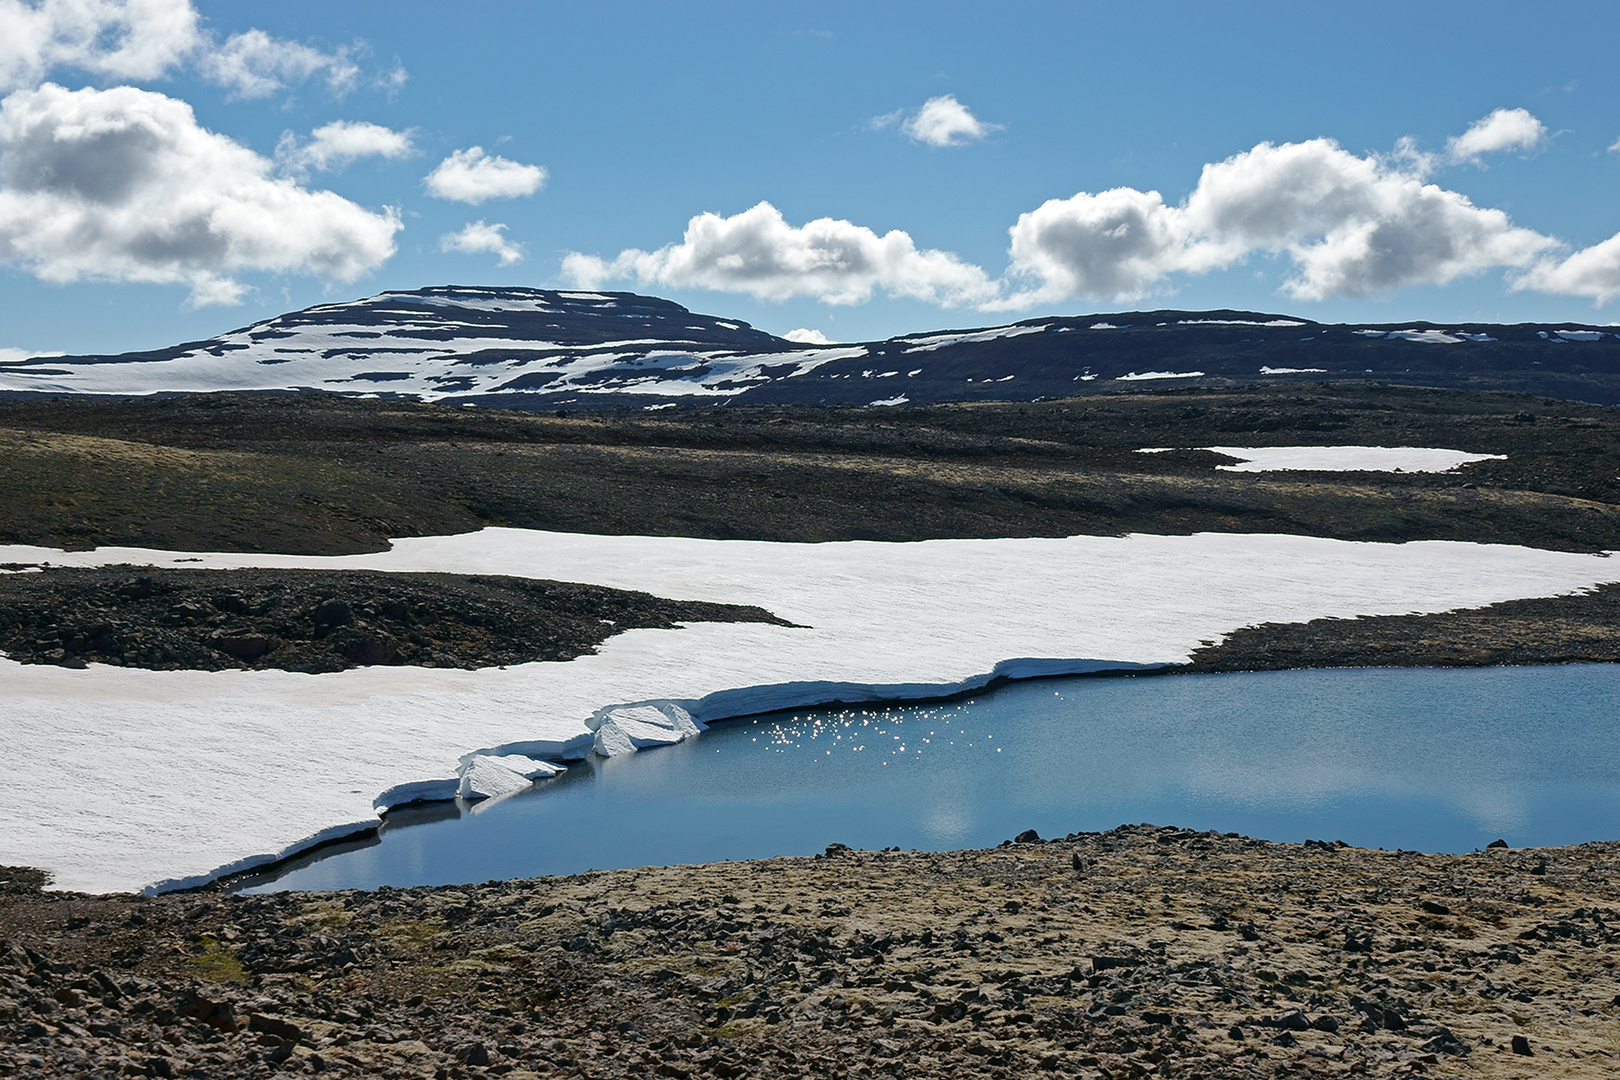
pixel 1417 758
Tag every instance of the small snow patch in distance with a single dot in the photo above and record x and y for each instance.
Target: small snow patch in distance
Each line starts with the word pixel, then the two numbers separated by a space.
pixel 930 342
pixel 1428 337
pixel 1139 376
pixel 900 400
pixel 1347 458
pixel 1580 335
pixel 583 296
pixel 1238 322
pixel 1293 371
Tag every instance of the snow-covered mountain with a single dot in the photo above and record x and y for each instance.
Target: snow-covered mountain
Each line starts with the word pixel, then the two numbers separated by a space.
pixel 453 342
pixel 540 348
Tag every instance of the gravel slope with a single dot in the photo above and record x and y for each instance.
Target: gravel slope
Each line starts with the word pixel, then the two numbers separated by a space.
pixel 1138 952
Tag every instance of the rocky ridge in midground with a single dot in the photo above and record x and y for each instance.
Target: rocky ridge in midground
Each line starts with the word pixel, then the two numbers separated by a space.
pixel 318 621
pixel 1139 952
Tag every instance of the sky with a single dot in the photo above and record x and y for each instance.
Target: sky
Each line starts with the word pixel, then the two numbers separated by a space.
pixel 172 169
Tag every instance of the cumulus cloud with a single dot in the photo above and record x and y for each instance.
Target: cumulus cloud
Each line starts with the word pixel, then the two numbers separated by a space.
pixel 1352 226
pixel 806 336
pixel 472 176
pixel 942 121
pixel 1503 129
pixel 253 64
pixel 147 39
pixel 1346 225
pixel 125 185
pixel 1615 147
pixel 10 355
pixel 125 39
pixel 335 145
pixel 478 238
pixel 757 252
pixel 1593 272
pixel 1119 243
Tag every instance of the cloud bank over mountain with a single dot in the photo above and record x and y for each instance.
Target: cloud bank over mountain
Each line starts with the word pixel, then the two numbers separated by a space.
pixel 119 183
pixel 757 252
pixel 1346 225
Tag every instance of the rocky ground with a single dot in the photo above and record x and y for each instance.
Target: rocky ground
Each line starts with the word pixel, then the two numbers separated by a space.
pixel 1583 628
pixel 314 621
pixel 1138 952
pixel 317 621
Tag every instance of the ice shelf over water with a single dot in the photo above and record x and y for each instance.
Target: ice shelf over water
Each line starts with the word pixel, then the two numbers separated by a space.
pixel 119 778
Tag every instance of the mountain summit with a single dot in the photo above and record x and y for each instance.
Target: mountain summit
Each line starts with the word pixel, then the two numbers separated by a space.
pixel 541 348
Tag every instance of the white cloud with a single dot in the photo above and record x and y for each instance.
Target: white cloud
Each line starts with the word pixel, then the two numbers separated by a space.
pixel 1348 225
pixel 477 238
pixel 1503 129
pixel 942 121
pixel 126 39
pixel 472 176
pixel 1593 271
pixel 806 336
pixel 11 356
pixel 253 64
pixel 759 253
pixel 887 120
pixel 147 39
pixel 335 145
pixel 124 185
pixel 1615 148
pixel 1352 226
pixel 1119 243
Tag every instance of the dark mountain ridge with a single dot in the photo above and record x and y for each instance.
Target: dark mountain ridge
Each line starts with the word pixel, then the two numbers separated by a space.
pixel 540 348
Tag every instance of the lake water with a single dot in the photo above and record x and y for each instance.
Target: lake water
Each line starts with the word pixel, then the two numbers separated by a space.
pixel 1416 758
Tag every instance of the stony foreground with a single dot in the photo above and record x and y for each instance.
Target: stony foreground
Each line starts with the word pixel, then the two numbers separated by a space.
pixel 1138 952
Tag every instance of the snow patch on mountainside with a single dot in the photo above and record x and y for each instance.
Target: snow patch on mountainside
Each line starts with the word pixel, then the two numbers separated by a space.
pixel 931 342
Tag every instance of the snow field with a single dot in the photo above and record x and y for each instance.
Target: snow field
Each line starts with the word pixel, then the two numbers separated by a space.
pixel 121 778
pixel 1339 458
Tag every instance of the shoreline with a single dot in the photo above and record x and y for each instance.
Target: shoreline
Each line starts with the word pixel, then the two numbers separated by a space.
pixel 227 881
pixel 221 880
pixel 876 622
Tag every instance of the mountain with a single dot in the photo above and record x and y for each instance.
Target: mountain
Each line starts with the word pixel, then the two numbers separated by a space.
pixel 539 348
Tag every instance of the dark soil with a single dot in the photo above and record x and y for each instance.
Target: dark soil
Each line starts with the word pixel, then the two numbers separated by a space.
pixel 311 473
pixel 1133 953
pixel 1583 628
pixel 315 621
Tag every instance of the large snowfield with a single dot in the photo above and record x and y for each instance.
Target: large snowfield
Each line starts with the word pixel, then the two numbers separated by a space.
pixel 120 779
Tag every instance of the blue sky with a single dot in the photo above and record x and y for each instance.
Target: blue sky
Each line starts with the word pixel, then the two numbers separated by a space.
pixel 643 116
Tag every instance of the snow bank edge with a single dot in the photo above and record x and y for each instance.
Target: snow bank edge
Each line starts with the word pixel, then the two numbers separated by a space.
pixel 730 704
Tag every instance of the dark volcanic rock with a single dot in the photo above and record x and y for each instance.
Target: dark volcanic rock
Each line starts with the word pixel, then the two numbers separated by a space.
pixel 315 621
